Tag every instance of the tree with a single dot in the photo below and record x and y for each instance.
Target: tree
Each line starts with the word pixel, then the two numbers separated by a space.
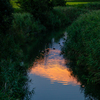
pixel 59 2
pixel 36 7
pixel 5 15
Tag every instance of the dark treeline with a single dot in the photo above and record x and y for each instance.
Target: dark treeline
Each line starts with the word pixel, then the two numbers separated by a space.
pixel 82 0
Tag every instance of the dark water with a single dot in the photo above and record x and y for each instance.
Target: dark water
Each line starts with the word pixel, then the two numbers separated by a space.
pixel 50 76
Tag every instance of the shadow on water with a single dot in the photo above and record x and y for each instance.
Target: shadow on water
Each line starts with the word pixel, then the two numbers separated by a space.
pixel 90 90
pixel 37 48
pixel 33 51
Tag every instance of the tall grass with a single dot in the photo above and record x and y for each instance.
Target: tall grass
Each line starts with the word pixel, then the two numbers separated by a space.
pixel 25 31
pixel 90 6
pixel 12 72
pixel 75 3
pixel 70 13
pixel 14 55
pixel 25 36
pixel 83 44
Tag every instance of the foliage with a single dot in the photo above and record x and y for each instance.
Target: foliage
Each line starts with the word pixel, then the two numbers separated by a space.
pixel 90 90
pixel 59 2
pixel 71 13
pixel 75 3
pixel 5 15
pixel 15 56
pixel 28 31
pixel 12 73
pixel 25 27
pixel 13 3
pixel 82 0
pixel 43 12
pixel 90 6
pixel 36 7
pixel 27 34
pixel 53 20
pixel 83 44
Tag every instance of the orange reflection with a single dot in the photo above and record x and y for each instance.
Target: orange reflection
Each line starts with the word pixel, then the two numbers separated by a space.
pixel 53 67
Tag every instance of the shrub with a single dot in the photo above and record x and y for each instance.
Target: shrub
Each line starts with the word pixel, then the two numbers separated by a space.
pixel 83 44
pixel 13 64
pixel 90 6
pixel 59 2
pixel 54 20
pixel 36 7
pixel 26 28
pixel 71 13
pixel 43 11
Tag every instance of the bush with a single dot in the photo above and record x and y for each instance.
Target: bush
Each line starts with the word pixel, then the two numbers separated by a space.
pixel 43 12
pixel 5 15
pixel 90 6
pixel 71 13
pixel 83 44
pixel 13 63
pixel 25 28
pixel 53 20
pixel 36 7
pixel 59 2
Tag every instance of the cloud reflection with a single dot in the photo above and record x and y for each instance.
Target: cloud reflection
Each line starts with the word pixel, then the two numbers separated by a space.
pixel 53 67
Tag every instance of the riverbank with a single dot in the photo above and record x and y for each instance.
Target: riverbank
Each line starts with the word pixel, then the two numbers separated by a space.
pixel 24 37
pixel 19 47
pixel 83 45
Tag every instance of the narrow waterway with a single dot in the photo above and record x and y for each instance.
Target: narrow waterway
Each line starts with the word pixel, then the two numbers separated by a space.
pixel 50 76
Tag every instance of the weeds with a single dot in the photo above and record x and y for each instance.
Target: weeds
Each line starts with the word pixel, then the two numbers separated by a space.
pixel 83 43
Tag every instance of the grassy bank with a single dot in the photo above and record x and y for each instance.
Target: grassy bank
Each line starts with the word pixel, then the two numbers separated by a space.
pixel 24 38
pixel 14 56
pixel 70 13
pixel 83 44
pixel 75 3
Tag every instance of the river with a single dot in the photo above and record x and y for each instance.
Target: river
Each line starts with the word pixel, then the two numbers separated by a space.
pixel 50 76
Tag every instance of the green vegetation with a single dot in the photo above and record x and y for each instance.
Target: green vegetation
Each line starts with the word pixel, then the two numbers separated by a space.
pixel 36 7
pixel 59 2
pixel 24 37
pixel 75 3
pixel 90 6
pixel 22 34
pixel 83 44
pixel 83 0
pixel 82 47
pixel 91 90
pixel 5 15
pixel 14 3
pixel 12 66
pixel 44 12
pixel 70 13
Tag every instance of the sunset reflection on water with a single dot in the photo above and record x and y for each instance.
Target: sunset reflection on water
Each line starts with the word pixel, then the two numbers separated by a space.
pixel 53 67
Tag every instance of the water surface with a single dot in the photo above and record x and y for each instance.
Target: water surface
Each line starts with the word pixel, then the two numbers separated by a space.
pixel 50 76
